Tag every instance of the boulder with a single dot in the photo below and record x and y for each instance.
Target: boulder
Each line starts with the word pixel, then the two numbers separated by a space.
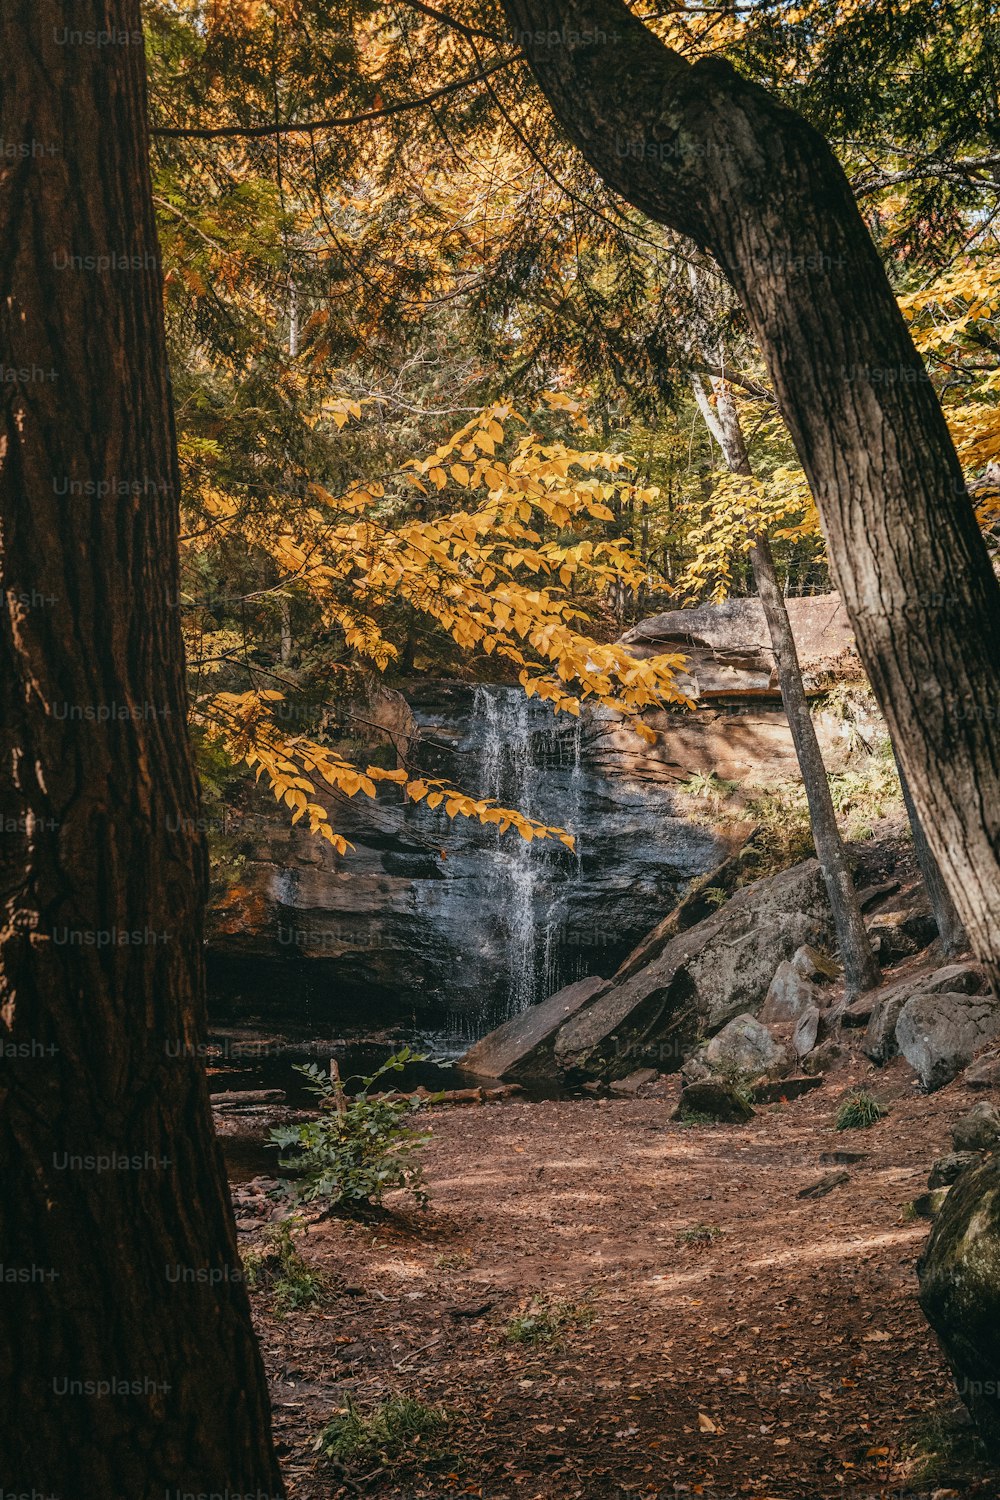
pixel 929 1205
pixel 745 1049
pixel 963 978
pixel 960 1292
pixel 984 1072
pixel 788 994
pixel 826 1058
pixel 806 1031
pixel 860 1011
pixel 949 1168
pixel 880 1037
pixel 939 1034
pixel 716 1098
pixel 522 1048
pixel 979 1130
pixel 880 1043
pixel 900 934
pixel 698 980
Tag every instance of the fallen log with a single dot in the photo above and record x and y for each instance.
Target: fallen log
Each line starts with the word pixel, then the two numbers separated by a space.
pixel 245 1098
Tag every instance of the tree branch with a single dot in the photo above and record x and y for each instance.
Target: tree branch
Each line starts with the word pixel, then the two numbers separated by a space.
pixel 334 122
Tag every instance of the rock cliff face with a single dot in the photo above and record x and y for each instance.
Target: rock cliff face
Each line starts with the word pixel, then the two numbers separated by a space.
pixel 449 924
pixel 447 920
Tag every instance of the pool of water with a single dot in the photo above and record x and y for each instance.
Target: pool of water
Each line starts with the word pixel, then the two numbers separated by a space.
pixel 240 1061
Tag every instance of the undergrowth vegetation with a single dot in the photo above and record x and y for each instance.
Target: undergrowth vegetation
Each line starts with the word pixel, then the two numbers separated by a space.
pixel 361 1146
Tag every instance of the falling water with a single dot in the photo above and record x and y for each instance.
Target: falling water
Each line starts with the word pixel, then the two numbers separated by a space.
pixel 530 761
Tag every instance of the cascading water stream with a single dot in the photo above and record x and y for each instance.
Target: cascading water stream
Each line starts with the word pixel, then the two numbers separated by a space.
pixel 530 761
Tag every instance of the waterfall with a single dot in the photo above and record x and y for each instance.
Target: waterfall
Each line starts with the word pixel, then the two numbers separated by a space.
pixel 530 760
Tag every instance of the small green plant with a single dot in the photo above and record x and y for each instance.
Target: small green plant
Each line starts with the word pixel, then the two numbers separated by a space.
pixel 277 1266
pixel 741 1084
pixel 859 1111
pixel 360 1147
pixel 384 1434
pixel 542 1320
pixel 699 1234
pixel 943 1448
pixel 715 895
pixel 688 1118
pixel 708 787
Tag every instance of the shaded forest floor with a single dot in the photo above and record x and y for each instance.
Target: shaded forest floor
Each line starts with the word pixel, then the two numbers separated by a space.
pixel 699 1329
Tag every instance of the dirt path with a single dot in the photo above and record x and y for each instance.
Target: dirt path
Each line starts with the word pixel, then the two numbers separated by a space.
pixel 721 1336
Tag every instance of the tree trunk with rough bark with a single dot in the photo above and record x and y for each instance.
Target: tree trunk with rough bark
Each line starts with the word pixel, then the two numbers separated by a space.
pixel 128 1360
pixel 706 151
pixel 861 970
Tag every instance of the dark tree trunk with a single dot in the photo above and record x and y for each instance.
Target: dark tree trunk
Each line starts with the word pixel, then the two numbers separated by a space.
pixel 702 149
pixel 861 971
pixel 127 1356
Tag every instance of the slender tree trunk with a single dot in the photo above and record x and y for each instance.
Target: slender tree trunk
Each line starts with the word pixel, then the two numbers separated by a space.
pixel 127 1357
pixel 708 152
pixel 954 939
pixel 861 971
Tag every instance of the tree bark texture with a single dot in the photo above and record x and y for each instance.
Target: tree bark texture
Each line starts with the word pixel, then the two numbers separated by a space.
pixel 128 1361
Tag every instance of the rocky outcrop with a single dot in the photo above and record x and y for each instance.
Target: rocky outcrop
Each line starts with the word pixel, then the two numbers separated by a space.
pixel 881 1043
pixel 960 1292
pixel 523 1048
pixel 728 650
pixel 679 988
pixel 437 920
pixel 939 1034
pixel 701 979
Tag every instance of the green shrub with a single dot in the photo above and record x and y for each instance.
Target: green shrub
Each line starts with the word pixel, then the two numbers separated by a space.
pixel 385 1433
pixel 360 1146
pixel 277 1267
pixel 859 1111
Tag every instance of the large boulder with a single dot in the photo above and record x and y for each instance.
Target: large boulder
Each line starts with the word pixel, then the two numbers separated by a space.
pixel 788 994
pixel 979 1130
pixel 939 1034
pixel 698 980
pixel 743 1049
pixel 960 1292
pixel 522 1048
pixel 880 1043
pixel 880 1036
pixel 713 1099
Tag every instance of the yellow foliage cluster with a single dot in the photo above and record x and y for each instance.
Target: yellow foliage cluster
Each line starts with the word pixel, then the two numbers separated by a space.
pixel 296 766
pixel 484 572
